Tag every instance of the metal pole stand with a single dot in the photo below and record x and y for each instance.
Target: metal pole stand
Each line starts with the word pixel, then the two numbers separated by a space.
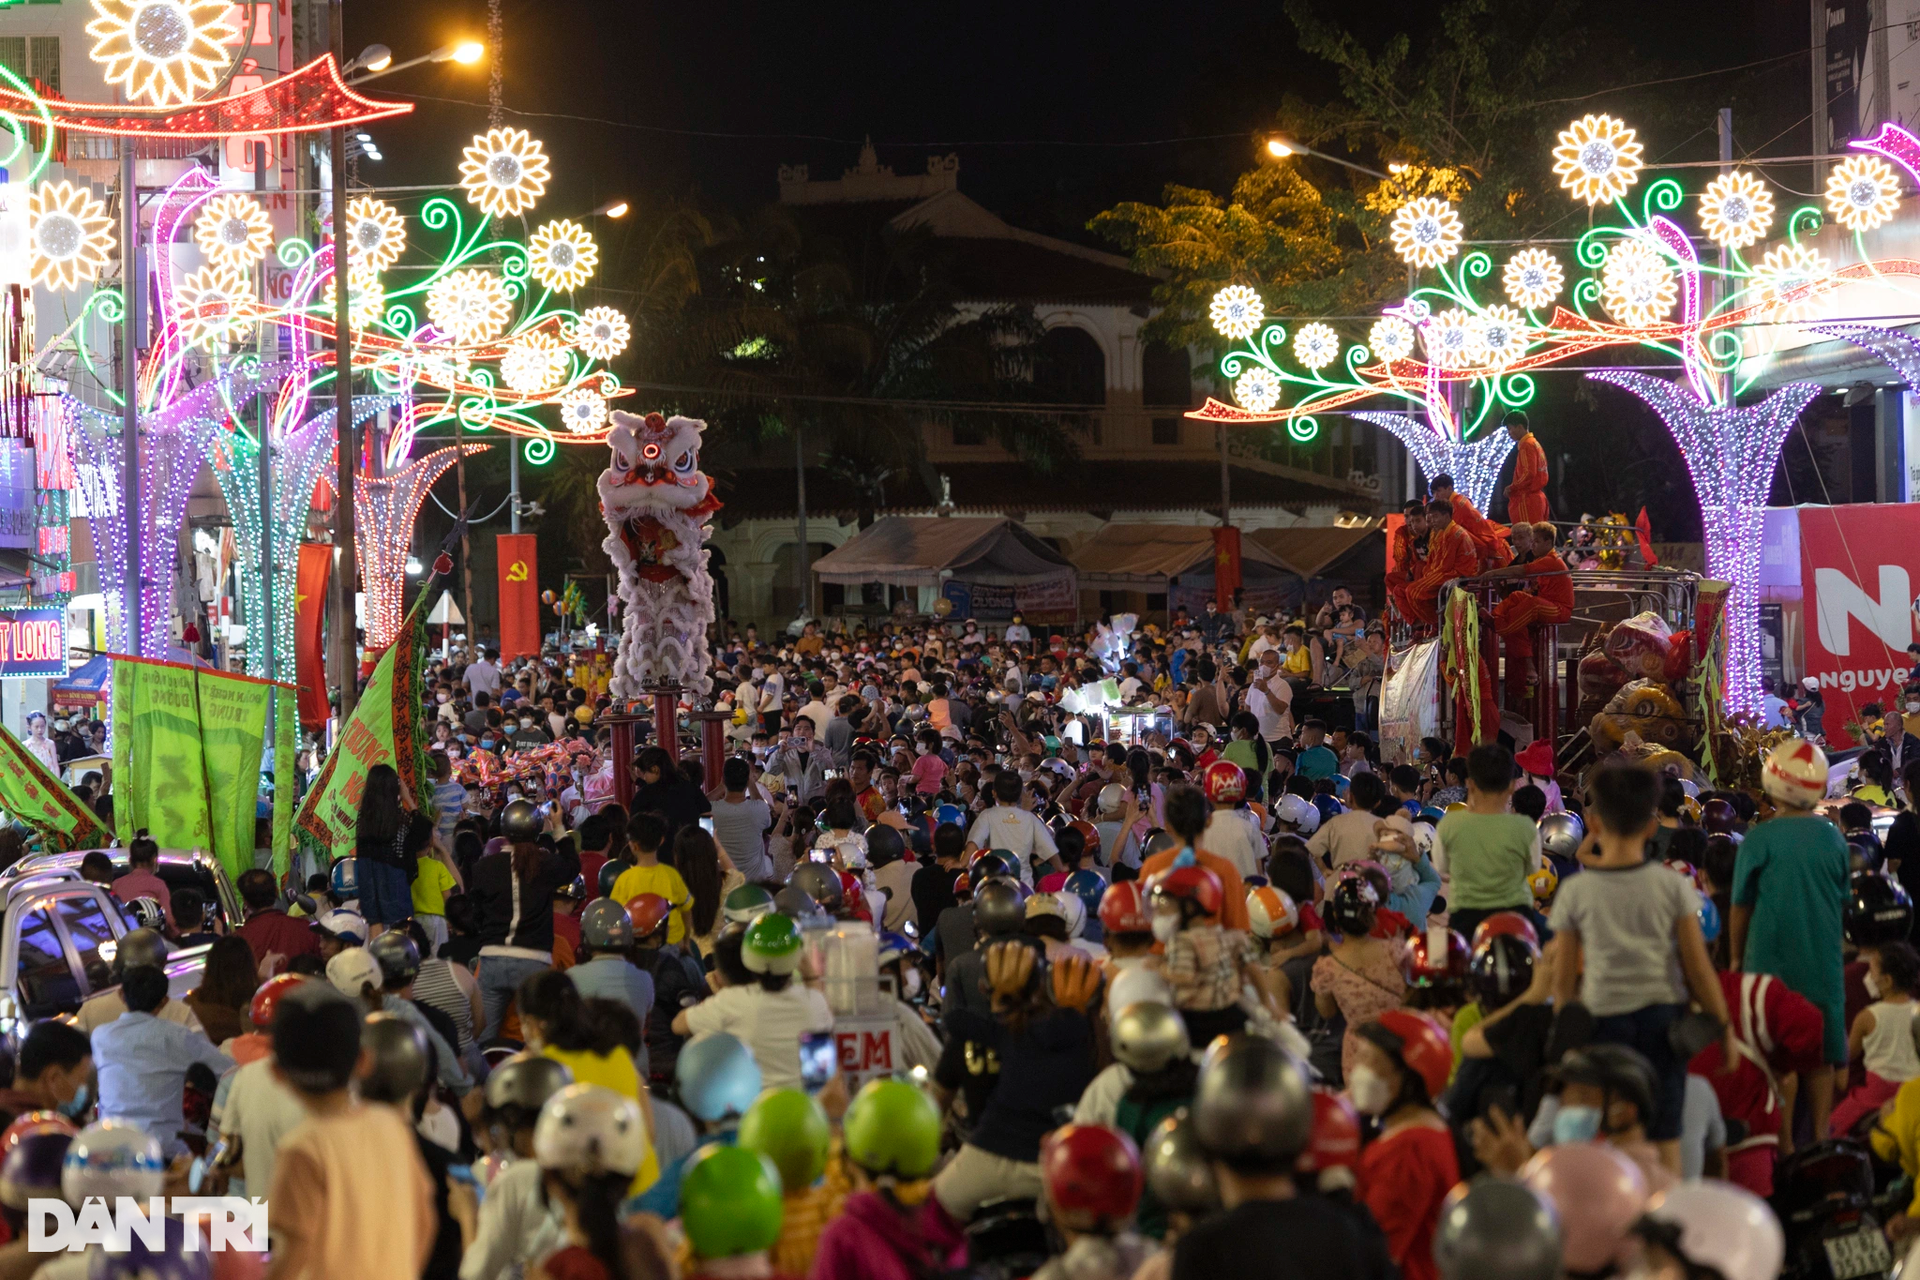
pixel 713 743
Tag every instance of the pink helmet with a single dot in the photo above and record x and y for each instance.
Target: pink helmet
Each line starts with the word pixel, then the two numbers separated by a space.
pixel 1599 1193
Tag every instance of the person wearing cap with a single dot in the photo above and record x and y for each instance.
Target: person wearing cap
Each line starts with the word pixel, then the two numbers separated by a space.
pixel 1810 706
pixel 143 1061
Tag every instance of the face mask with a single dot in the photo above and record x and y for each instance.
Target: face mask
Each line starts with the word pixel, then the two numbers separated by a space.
pixel 920 749
pixel 526 722
pixel 1370 1092
pixel 910 983
pixel 75 1107
pixel 446 697
pixel 1165 927
pixel 1873 986
pixel 1913 707
pixel 1576 1124
pixel 512 796
pixel 441 1127
pixel 486 744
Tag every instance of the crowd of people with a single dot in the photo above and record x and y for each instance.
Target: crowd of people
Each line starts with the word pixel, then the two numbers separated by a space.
pixel 1234 996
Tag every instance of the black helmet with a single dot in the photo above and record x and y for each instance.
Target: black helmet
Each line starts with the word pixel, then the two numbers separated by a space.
pixel 1252 1106
pixel 997 909
pixel 605 924
pixel 1615 1068
pixel 796 902
pixel 1501 968
pixel 524 1082
pixel 520 821
pixel 398 958
pixel 400 1056
pixel 575 891
pixel 1352 905
pixel 884 845
pixel 1878 910
pixel 820 882
pixel 610 871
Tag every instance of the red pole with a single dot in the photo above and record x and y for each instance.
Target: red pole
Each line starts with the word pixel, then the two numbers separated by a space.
pixel 623 759
pixel 713 744
pixel 666 716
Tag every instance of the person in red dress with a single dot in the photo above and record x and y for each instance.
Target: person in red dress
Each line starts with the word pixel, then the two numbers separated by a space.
pixel 1489 539
pixel 1527 495
pixel 1450 554
pixel 1405 1173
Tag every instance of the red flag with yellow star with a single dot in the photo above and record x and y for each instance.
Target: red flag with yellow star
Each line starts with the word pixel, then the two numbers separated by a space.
pixel 1226 566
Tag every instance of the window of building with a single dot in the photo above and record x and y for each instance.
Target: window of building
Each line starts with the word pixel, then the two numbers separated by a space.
pixel 1166 431
pixel 967 435
pixel 1166 377
pixel 1071 368
pixel 43 56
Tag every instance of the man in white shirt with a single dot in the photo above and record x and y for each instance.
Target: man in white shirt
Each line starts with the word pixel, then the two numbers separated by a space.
pixel 1270 698
pixel 483 676
pixel 1231 834
pixel 816 710
pixel 1269 638
pixel 773 692
pixel 1007 826
pixel 1348 837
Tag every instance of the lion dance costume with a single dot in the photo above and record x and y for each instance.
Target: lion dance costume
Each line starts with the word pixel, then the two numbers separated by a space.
pixel 655 501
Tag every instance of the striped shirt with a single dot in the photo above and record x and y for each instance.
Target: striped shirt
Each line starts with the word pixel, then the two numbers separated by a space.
pixel 436 986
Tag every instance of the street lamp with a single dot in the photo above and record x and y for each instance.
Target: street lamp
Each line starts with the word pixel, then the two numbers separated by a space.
pixel 466 52
pixel 1280 148
pixel 374 58
pixel 615 208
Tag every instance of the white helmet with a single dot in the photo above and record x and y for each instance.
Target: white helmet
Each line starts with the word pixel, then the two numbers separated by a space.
pixel 1423 838
pixel 590 1129
pixel 1137 985
pixel 1721 1226
pixel 1795 774
pixel 1112 799
pixel 344 924
pixel 1271 911
pixel 853 854
pixel 1298 813
pixel 1075 912
pixel 112 1158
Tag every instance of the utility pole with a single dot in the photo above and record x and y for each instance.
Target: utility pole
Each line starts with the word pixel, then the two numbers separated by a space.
pixel 131 297
pixel 513 485
pixel 466 542
pixel 1226 478
pixel 264 623
pixel 345 569
pixel 802 566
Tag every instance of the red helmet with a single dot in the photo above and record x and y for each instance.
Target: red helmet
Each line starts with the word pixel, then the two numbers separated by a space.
pixel 1436 955
pixel 1510 923
pixel 1225 782
pixel 1123 908
pixel 1092 1175
pixel 962 886
pixel 267 998
pixel 1193 884
pixel 1090 834
pixel 1416 1043
pixel 31 1122
pixel 648 911
pixel 1718 817
pixel 1336 1133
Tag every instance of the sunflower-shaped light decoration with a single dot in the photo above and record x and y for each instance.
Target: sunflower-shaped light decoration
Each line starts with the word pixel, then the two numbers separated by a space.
pixel 1316 346
pixel 233 231
pixel 1598 158
pixel 366 296
pixel 1390 339
pixel 534 363
pixel 1236 311
pixel 583 411
pixel 504 171
pixel 376 236
pixel 71 236
pixel 1454 339
pixel 561 255
pixel 1257 390
pixel 1786 270
pixel 470 306
pixel 1503 332
pixel 1637 285
pixel 1533 278
pixel 1862 192
pixel 1736 209
pixel 161 51
pixel 601 334
pixel 210 305
pixel 1426 232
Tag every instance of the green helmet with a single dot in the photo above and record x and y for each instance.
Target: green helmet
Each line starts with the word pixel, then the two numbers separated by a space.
pixel 893 1128
pixel 790 1129
pixel 772 945
pixel 747 903
pixel 730 1202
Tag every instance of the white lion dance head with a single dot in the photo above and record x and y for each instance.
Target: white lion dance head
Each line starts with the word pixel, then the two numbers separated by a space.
pixel 654 499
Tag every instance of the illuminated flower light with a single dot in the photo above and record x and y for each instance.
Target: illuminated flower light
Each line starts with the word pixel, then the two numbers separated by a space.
pixel 1316 346
pixel 1862 192
pixel 1454 339
pixel 562 255
pixel 1736 209
pixel 1257 390
pixel 534 363
pixel 1426 232
pixel 1786 269
pixel 583 411
pixel 72 235
pixel 602 333
pixel 471 306
pixel 233 231
pixel 1637 285
pixel 161 51
pixel 205 306
pixel 504 171
pixel 440 367
pixel 1533 278
pixel 1236 312
pixel 366 297
pixel 1598 158
pixel 1503 331
pixel 1390 339
pixel 375 234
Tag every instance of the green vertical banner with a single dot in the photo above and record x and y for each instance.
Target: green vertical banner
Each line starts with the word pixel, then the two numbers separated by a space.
pixel 286 767
pixel 233 732
pixel 125 730
pixel 30 792
pixel 169 774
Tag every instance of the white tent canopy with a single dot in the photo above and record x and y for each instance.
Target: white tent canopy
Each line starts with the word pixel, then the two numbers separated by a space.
pixel 925 551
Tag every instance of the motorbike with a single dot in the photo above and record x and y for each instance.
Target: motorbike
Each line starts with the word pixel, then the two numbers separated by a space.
pixel 1823 1195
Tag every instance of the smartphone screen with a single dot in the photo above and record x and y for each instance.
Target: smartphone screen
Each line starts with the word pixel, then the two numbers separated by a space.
pixel 819 1060
pixel 706 824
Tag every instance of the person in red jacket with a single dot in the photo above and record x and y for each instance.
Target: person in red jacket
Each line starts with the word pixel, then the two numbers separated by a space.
pixel 1489 539
pixel 1405 1173
pixel 1546 601
pixel 1406 556
pixel 1450 554
pixel 1781 1028
pixel 1527 495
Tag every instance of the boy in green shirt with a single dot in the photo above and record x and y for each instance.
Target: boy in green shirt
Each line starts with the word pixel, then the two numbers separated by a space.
pixel 1486 852
pixel 1790 888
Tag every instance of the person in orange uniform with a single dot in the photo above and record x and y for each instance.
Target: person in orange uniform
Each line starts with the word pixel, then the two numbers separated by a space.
pixel 1547 600
pixel 1489 539
pixel 1450 554
pixel 1527 495
pixel 1406 555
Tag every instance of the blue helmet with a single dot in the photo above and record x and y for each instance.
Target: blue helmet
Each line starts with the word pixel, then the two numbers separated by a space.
pixel 1329 807
pixel 1432 813
pixel 346 879
pixel 950 813
pixel 1087 885
pixel 894 946
pixel 1709 916
pixel 717 1077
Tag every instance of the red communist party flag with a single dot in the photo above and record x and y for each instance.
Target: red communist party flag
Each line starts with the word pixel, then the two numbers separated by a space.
pixel 309 612
pixel 519 595
pixel 1226 566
